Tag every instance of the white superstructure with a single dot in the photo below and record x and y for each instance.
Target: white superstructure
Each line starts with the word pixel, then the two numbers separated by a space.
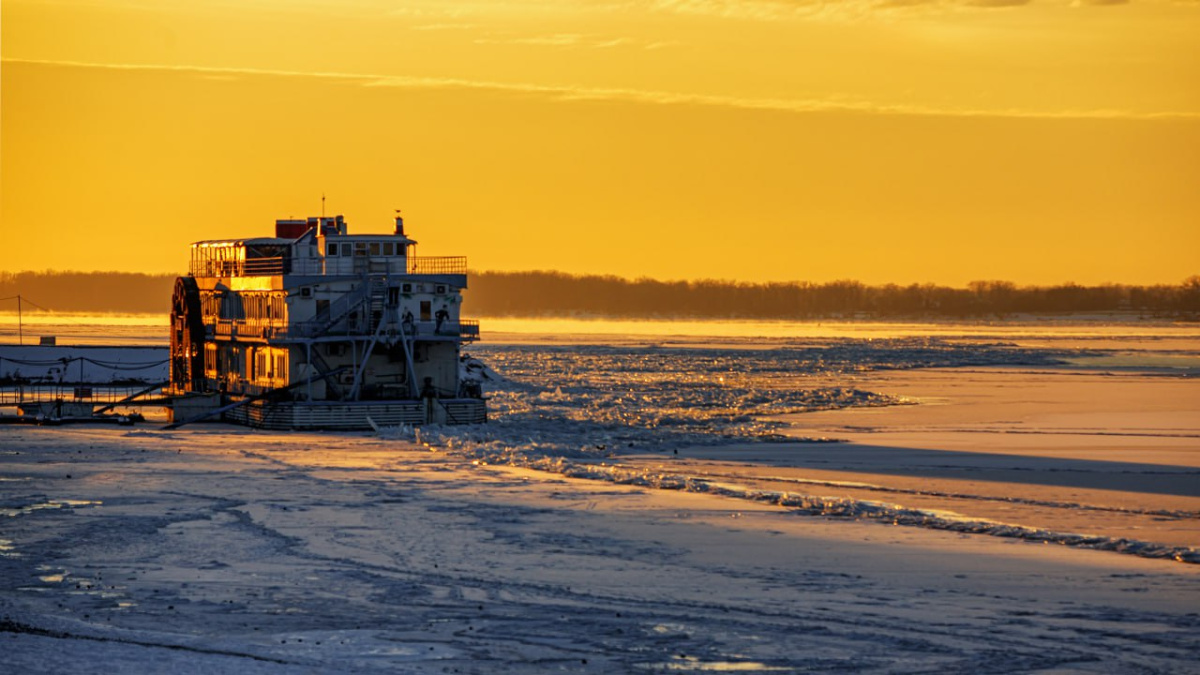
pixel 322 328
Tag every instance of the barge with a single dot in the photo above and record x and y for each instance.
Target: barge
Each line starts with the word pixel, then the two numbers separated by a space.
pixel 318 328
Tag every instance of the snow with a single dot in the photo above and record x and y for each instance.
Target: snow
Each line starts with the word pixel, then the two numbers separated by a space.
pixel 835 505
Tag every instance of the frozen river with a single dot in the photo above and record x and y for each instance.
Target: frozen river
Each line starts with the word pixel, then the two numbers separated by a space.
pixel 642 503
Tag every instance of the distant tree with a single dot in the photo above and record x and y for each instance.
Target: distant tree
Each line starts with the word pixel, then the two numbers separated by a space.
pixel 550 293
pixel 1189 297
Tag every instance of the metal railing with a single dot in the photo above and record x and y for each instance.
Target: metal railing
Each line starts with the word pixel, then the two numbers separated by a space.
pixel 246 329
pixel 265 267
pixel 214 268
pixel 254 267
pixel 73 393
pixel 262 267
pixel 468 329
pixel 437 264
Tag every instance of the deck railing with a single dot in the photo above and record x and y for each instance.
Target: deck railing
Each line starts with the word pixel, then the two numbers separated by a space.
pixel 229 328
pixel 13 394
pixel 254 267
pixel 265 267
pixel 468 329
pixel 437 264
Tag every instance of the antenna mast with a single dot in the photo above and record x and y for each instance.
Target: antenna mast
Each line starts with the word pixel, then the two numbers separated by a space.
pixel 322 204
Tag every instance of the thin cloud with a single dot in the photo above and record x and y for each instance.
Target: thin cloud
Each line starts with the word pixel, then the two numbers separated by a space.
pixel 996 3
pixel 580 93
pixel 444 26
pixel 903 4
pixel 558 40
pixel 773 10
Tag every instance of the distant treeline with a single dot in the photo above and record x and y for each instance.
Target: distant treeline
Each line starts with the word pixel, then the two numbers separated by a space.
pixel 88 291
pixel 558 294
pixel 554 294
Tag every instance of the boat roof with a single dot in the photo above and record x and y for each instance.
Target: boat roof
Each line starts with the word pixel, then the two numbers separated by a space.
pixel 278 241
pixel 255 241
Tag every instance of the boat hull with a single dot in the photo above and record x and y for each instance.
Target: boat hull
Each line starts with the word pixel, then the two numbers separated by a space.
pixel 357 415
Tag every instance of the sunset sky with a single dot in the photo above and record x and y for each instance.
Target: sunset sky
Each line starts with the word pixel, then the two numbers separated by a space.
pixel 1038 141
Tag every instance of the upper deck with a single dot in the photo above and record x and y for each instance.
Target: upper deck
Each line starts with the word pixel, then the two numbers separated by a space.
pixel 318 247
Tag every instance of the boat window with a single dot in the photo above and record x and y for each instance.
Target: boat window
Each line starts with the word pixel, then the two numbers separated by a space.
pixel 346 249
pixel 388 248
pixel 331 249
pixel 374 248
pixel 360 248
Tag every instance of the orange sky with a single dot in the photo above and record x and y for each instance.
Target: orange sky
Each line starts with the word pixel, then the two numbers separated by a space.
pixel 888 141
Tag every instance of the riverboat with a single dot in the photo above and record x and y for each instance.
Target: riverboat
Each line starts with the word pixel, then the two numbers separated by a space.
pixel 319 328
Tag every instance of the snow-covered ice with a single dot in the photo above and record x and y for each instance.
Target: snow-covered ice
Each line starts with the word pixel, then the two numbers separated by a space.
pixel 836 505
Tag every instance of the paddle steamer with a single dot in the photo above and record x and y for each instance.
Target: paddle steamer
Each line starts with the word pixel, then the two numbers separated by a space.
pixel 318 328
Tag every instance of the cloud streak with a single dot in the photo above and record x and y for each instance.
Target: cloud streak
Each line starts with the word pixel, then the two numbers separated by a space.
pixel 774 10
pixel 559 40
pixel 641 96
pixel 991 4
